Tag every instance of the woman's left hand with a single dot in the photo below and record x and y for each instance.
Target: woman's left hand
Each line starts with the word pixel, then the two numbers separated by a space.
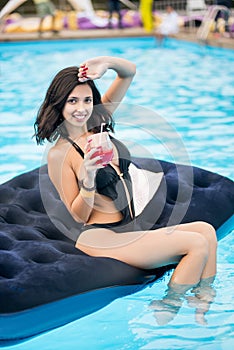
pixel 92 69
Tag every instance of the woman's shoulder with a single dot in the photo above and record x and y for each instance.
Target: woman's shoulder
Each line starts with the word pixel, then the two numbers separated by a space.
pixel 63 154
pixel 57 152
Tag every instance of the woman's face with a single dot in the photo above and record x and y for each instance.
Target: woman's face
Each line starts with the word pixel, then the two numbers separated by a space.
pixel 79 105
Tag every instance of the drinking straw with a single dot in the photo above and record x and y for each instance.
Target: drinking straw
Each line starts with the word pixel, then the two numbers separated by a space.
pixel 100 136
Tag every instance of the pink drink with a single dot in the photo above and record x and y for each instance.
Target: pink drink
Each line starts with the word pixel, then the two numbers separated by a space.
pixel 104 147
pixel 106 155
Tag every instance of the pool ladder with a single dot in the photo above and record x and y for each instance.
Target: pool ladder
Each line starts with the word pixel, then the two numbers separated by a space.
pixel 204 29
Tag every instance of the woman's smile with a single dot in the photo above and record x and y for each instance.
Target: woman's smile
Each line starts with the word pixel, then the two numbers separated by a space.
pixel 79 117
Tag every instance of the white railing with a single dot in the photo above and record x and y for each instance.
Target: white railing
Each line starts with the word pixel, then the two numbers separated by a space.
pixel 208 20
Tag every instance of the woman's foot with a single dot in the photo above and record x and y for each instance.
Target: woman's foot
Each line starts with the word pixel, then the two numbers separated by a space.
pixel 204 295
pixel 165 310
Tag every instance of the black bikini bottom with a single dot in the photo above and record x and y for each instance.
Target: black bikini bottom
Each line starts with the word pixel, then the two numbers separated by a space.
pixel 118 227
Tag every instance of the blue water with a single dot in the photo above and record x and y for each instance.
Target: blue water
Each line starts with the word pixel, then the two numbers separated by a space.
pixel 179 108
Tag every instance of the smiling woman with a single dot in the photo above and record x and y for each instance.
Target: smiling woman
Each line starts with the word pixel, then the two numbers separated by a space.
pixel 45 281
pixel 65 83
pixel 100 196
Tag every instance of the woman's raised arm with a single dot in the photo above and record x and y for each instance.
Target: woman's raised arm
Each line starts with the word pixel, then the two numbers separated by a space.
pixel 95 68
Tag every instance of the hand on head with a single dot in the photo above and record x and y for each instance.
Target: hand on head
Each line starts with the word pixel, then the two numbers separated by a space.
pixel 82 75
pixel 92 69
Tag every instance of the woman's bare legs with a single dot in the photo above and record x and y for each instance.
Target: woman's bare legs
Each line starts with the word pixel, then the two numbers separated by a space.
pixel 188 245
pixel 192 246
pixel 204 292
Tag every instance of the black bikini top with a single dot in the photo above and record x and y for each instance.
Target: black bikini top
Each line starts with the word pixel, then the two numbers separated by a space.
pixel 116 186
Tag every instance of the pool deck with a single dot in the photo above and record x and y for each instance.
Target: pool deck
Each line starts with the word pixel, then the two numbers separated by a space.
pixel 185 34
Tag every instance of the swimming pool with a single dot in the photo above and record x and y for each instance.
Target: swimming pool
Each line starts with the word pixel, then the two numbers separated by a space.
pixel 191 89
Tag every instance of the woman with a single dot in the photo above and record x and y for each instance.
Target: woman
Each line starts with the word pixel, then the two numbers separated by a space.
pixel 100 196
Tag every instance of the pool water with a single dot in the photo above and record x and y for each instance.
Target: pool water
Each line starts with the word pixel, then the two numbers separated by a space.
pixel 179 108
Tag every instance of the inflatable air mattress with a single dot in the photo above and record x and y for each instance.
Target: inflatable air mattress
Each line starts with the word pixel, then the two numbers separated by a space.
pixel 45 282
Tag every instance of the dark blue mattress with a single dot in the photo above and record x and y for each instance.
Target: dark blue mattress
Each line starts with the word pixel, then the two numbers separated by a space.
pixel 45 282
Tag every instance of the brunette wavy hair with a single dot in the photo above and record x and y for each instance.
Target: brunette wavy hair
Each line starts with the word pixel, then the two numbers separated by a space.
pixel 48 124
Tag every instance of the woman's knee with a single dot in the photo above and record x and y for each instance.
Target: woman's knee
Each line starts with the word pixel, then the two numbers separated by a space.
pixel 208 231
